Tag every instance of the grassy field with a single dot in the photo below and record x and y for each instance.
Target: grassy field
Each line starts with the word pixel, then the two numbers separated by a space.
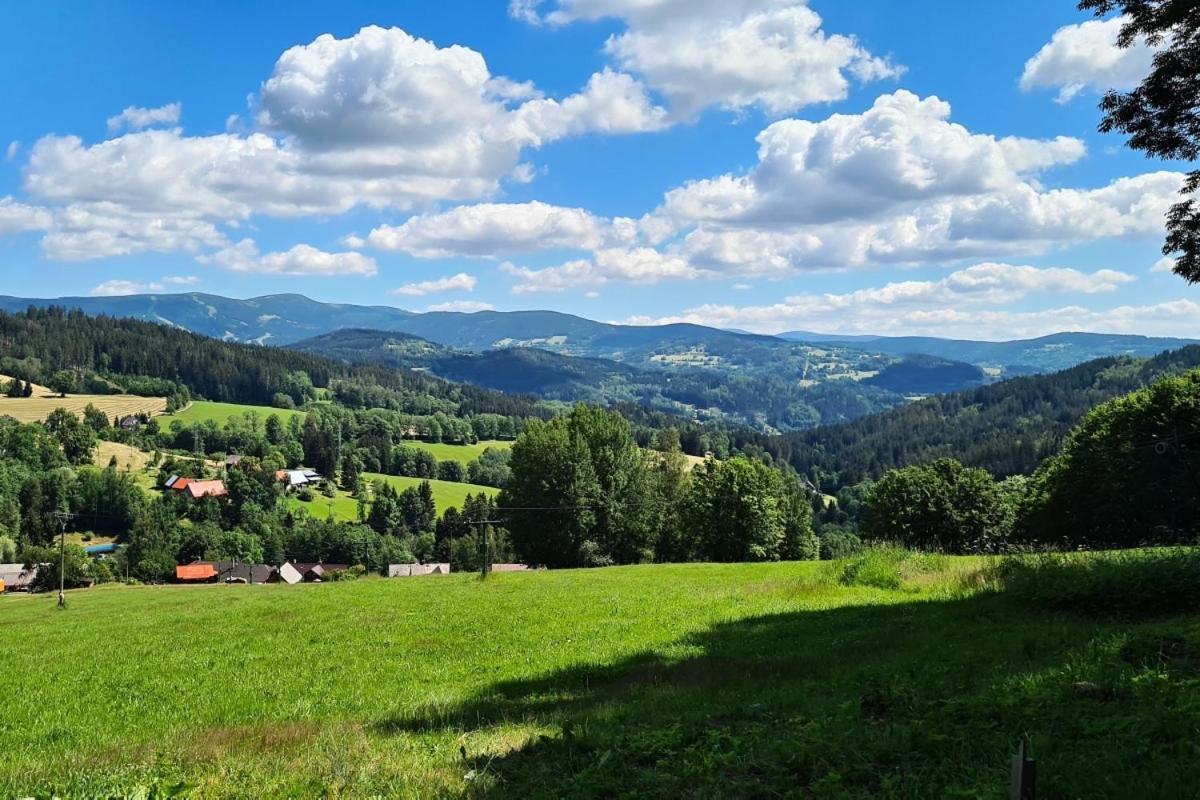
pixel 38 407
pixel 345 507
pixel 462 453
pixel 657 681
pixel 205 410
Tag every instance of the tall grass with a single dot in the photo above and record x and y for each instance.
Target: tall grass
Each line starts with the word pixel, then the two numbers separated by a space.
pixel 888 566
pixel 1126 582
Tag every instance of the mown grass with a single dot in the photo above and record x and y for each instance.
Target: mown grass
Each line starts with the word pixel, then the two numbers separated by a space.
pixel 345 507
pixel 220 413
pixel 663 681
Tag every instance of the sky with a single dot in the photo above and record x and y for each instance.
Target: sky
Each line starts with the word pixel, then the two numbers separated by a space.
pixel 768 165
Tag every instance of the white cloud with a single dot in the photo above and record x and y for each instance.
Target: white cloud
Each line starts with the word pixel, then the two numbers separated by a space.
pixel 1164 264
pixel 1086 56
pixel 961 304
pixel 633 265
pixel 461 282
pixel 464 306
pixel 302 259
pixel 728 53
pixel 116 288
pixel 898 184
pixel 489 229
pixel 18 217
pixel 379 119
pixel 11 151
pixel 135 118
pixel 86 231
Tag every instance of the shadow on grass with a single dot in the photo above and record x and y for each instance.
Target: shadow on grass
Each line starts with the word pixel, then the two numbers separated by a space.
pixel 920 699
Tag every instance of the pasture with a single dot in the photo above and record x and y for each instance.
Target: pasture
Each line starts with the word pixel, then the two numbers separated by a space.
pixel 345 507
pixel 462 453
pixel 220 413
pixel 695 680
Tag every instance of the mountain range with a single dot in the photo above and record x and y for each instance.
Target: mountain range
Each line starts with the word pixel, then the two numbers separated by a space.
pixel 792 381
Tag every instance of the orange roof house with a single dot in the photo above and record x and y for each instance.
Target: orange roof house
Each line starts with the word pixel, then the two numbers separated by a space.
pixel 197 572
pixel 198 489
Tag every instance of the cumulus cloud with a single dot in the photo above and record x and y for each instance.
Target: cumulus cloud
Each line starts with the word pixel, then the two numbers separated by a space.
pixel 633 265
pixel 463 306
pixel 1164 264
pixel 18 217
pixel 461 282
pixel 728 53
pixel 897 184
pixel 1086 56
pixel 135 118
pixel 960 304
pixel 11 151
pixel 302 259
pixel 491 229
pixel 116 287
pixel 379 119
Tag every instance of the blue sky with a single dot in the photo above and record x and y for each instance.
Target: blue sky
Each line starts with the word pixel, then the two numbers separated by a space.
pixel 771 165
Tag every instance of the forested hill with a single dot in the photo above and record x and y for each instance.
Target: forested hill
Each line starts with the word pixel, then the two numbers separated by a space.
pixel 39 342
pixel 1007 428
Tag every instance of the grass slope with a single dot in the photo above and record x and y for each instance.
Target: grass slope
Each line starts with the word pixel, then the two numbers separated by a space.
pixel 345 507
pixel 220 413
pixel 462 453
pixel 668 681
pixel 38 407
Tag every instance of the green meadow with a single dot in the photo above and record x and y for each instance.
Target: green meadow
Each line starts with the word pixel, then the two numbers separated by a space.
pixel 220 413
pixel 890 676
pixel 462 453
pixel 345 507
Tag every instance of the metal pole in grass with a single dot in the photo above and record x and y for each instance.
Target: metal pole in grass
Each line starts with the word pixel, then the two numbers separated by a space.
pixel 62 517
pixel 1024 774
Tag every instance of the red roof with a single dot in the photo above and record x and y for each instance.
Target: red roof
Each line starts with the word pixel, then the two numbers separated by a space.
pixel 198 489
pixel 195 572
pixel 180 484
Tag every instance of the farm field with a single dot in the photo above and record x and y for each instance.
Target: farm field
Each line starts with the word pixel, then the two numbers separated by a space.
pixel 666 681
pixel 345 507
pixel 38 407
pixel 206 410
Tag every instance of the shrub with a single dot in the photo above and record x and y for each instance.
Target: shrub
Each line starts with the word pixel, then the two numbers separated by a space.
pixel 886 567
pixel 1128 582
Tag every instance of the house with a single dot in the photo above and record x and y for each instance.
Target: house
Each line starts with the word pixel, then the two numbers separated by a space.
pixel 130 423
pixel 297 478
pixel 223 572
pixel 15 578
pixel 411 570
pixel 315 573
pixel 232 460
pixel 509 567
pixel 195 490
pixel 287 573
pixel 177 482
pixel 196 572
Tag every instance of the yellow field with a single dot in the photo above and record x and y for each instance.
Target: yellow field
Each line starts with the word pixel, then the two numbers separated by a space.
pixel 128 457
pixel 38 407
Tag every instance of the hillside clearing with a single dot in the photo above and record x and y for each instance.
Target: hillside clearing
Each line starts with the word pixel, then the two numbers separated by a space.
pixel 208 411
pixel 696 680
pixel 345 507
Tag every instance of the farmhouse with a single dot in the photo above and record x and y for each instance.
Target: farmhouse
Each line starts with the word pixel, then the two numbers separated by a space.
pixel 195 489
pixel 297 478
pixel 287 573
pixel 224 572
pixel 232 460
pixel 315 573
pixel 15 578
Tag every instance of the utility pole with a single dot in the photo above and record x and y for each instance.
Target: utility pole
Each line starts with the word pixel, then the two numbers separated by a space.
pixel 62 517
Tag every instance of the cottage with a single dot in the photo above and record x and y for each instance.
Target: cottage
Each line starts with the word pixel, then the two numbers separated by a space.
pixel 224 572
pixel 232 460
pixel 15 578
pixel 130 423
pixel 287 573
pixel 297 478
pixel 196 572
pixel 195 490
pixel 315 573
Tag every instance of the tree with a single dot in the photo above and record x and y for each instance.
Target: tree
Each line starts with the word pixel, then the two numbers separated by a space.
pixel 95 419
pixel 64 381
pixel 490 468
pixel 941 506
pixel 451 471
pixel 735 511
pixel 1162 115
pixel 16 388
pixel 77 440
pixel 1129 474
pixel 75 567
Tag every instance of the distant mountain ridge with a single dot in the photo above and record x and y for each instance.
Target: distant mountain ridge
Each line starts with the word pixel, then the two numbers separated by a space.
pixel 284 319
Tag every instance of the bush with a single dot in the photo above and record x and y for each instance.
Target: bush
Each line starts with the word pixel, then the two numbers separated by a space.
pixel 886 567
pixel 838 542
pixel 304 495
pixel 1128 582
